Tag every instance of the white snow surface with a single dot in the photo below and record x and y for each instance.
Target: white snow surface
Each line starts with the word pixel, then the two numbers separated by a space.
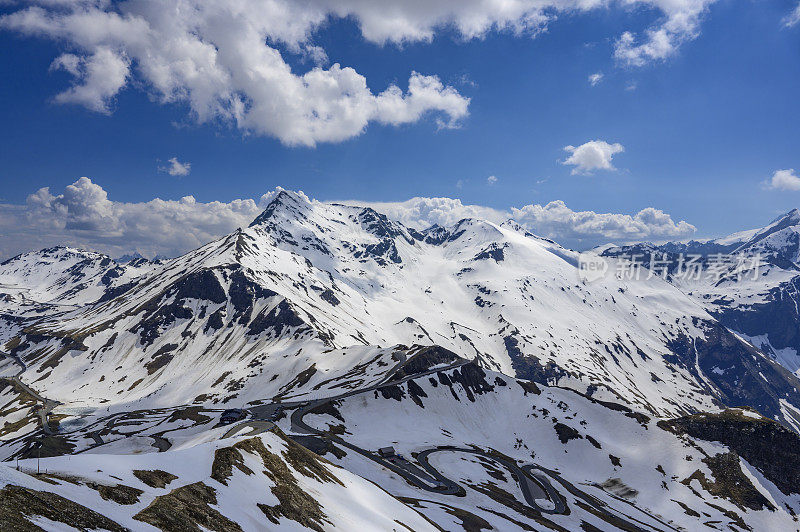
pixel 314 300
pixel 352 278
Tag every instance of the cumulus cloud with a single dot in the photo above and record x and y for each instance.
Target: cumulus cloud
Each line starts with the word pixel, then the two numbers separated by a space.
pixel 227 61
pixel 421 213
pixel 595 78
pixel 176 168
pixel 582 229
pixel 83 215
pixel 591 156
pixel 792 18
pixel 575 229
pixel 784 180
pixel 491 180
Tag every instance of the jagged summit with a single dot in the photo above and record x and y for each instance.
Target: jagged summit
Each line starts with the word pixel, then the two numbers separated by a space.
pixel 294 220
pixel 286 202
pixel 784 227
pixel 307 277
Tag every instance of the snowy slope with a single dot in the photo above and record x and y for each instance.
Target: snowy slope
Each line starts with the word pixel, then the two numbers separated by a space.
pixel 317 300
pixel 66 276
pixel 642 472
pixel 778 241
pixel 55 280
pixel 761 308
pixel 612 468
pixel 308 285
pixel 262 483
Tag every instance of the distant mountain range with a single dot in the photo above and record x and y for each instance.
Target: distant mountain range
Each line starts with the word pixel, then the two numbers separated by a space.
pixel 763 310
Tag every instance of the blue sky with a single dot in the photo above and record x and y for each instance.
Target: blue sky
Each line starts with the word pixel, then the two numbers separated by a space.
pixel 702 129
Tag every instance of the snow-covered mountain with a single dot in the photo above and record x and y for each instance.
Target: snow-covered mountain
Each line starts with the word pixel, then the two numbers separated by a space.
pixel 454 464
pixel 315 300
pixel 66 276
pixel 242 316
pixel 262 483
pixel 762 308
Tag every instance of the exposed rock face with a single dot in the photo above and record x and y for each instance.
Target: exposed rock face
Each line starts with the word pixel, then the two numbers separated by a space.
pixel 765 444
pixel 18 503
pixel 756 294
pixel 424 358
pixel 188 508
pixel 736 374
pixel 730 482
pixel 777 317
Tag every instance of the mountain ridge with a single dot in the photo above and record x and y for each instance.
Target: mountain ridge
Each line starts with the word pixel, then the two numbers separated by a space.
pixel 306 277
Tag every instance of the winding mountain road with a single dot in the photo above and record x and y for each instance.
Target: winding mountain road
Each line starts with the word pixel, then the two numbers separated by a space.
pixel 534 489
pixel 428 477
pixel 47 404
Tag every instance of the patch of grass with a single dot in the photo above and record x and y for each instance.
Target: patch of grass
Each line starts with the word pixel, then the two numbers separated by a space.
pixel 192 413
pixel 187 509
pixel 729 482
pixel 225 459
pixel 155 478
pixel 293 503
pixel 120 493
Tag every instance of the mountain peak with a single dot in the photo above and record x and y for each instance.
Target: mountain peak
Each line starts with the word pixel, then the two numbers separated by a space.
pixel 780 234
pixel 793 217
pixel 282 200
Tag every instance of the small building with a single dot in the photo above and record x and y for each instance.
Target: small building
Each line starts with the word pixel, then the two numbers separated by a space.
pixel 386 452
pixel 232 415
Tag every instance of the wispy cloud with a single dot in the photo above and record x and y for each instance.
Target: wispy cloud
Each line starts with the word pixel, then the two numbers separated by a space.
pixel 792 18
pixel 176 168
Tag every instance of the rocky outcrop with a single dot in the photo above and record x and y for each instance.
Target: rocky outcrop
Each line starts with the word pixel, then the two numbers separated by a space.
pixel 765 444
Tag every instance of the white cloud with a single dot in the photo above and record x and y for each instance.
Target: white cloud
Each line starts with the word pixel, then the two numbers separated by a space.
pixel 592 155
pixel 421 213
pixel 582 229
pixel 227 60
pixel 176 168
pixel 595 78
pixel 575 229
pixel 83 216
pixel 100 76
pixel 792 18
pixel 784 180
pixel 681 23
pixel 491 180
